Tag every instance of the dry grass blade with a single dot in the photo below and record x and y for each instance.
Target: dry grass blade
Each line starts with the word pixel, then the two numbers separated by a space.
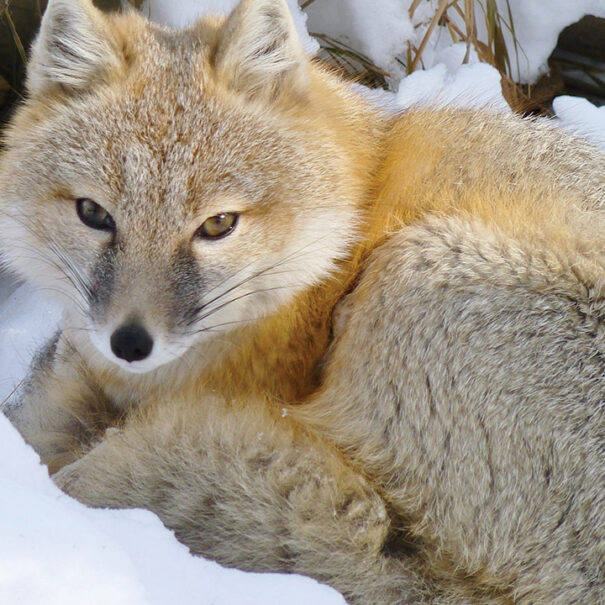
pixel 471 28
pixel 496 37
pixel 434 22
pixel 4 90
pixel 493 50
pixel 511 23
pixel 19 20
pixel 352 63
pixel 16 38
pixel 413 7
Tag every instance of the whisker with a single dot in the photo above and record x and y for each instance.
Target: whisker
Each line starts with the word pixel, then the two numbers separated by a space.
pixel 232 300
pixel 63 264
pixel 225 323
pixel 10 395
pixel 259 273
pixel 63 276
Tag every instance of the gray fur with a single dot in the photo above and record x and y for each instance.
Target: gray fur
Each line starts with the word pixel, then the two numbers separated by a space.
pixel 480 405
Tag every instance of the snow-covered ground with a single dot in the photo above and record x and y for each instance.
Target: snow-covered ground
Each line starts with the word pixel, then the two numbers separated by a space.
pixel 55 551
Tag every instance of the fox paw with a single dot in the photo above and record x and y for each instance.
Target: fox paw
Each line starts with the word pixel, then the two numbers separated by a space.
pixel 71 480
pixel 91 481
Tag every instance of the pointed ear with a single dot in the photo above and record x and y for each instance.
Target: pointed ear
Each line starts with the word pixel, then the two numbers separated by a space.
pixel 72 49
pixel 259 52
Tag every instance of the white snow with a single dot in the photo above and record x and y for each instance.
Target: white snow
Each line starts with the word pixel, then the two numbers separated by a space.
pixel 54 550
pixel 184 12
pixel 27 319
pixel 379 29
pixel 452 83
pixel 537 25
pixel 582 117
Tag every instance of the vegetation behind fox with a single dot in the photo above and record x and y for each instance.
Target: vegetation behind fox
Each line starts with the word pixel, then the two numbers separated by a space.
pixel 311 336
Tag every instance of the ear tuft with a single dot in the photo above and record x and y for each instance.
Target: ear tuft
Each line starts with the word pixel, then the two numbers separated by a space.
pixel 260 53
pixel 72 48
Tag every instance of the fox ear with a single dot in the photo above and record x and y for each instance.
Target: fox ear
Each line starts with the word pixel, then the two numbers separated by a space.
pixel 72 49
pixel 259 52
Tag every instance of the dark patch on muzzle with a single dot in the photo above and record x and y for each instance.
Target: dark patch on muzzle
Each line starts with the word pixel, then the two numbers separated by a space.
pixel 103 279
pixel 187 286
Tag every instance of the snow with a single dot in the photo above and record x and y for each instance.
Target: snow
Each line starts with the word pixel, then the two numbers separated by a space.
pixel 54 550
pixel 186 12
pixel 582 117
pixel 27 319
pixel 379 29
pixel 536 23
pixel 537 26
pixel 452 83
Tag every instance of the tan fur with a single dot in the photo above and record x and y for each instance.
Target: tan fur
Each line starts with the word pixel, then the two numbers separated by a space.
pixel 448 449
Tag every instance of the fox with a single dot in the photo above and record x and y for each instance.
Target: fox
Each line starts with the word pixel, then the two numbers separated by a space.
pixel 312 336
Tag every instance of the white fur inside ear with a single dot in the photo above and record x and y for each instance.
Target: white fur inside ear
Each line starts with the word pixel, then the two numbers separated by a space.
pixel 260 50
pixel 71 48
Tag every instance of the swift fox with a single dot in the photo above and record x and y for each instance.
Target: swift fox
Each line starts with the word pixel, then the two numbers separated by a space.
pixel 310 336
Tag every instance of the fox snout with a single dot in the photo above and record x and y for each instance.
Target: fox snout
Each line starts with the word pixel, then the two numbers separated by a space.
pixel 131 342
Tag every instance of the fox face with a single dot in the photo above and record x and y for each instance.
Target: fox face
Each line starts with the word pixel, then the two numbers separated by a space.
pixel 159 185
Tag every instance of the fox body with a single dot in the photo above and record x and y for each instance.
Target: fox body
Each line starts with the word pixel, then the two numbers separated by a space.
pixel 201 202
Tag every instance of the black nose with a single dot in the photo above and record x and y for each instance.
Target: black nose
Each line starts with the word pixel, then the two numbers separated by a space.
pixel 131 342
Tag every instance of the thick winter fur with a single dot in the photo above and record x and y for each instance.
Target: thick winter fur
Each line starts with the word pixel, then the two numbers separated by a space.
pixel 446 447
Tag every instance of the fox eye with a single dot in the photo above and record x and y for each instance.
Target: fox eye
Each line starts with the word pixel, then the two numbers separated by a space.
pixel 218 226
pixel 94 216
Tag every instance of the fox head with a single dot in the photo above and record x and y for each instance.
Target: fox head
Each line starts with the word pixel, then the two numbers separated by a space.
pixel 170 186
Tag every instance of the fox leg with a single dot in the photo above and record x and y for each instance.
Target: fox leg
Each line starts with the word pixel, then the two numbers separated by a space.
pixel 235 485
pixel 59 410
pixel 249 490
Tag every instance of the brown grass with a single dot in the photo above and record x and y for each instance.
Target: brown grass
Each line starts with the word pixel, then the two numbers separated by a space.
pixel 350 62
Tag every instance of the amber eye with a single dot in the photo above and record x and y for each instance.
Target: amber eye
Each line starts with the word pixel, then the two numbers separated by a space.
pixel 218 226
pixel 94 216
